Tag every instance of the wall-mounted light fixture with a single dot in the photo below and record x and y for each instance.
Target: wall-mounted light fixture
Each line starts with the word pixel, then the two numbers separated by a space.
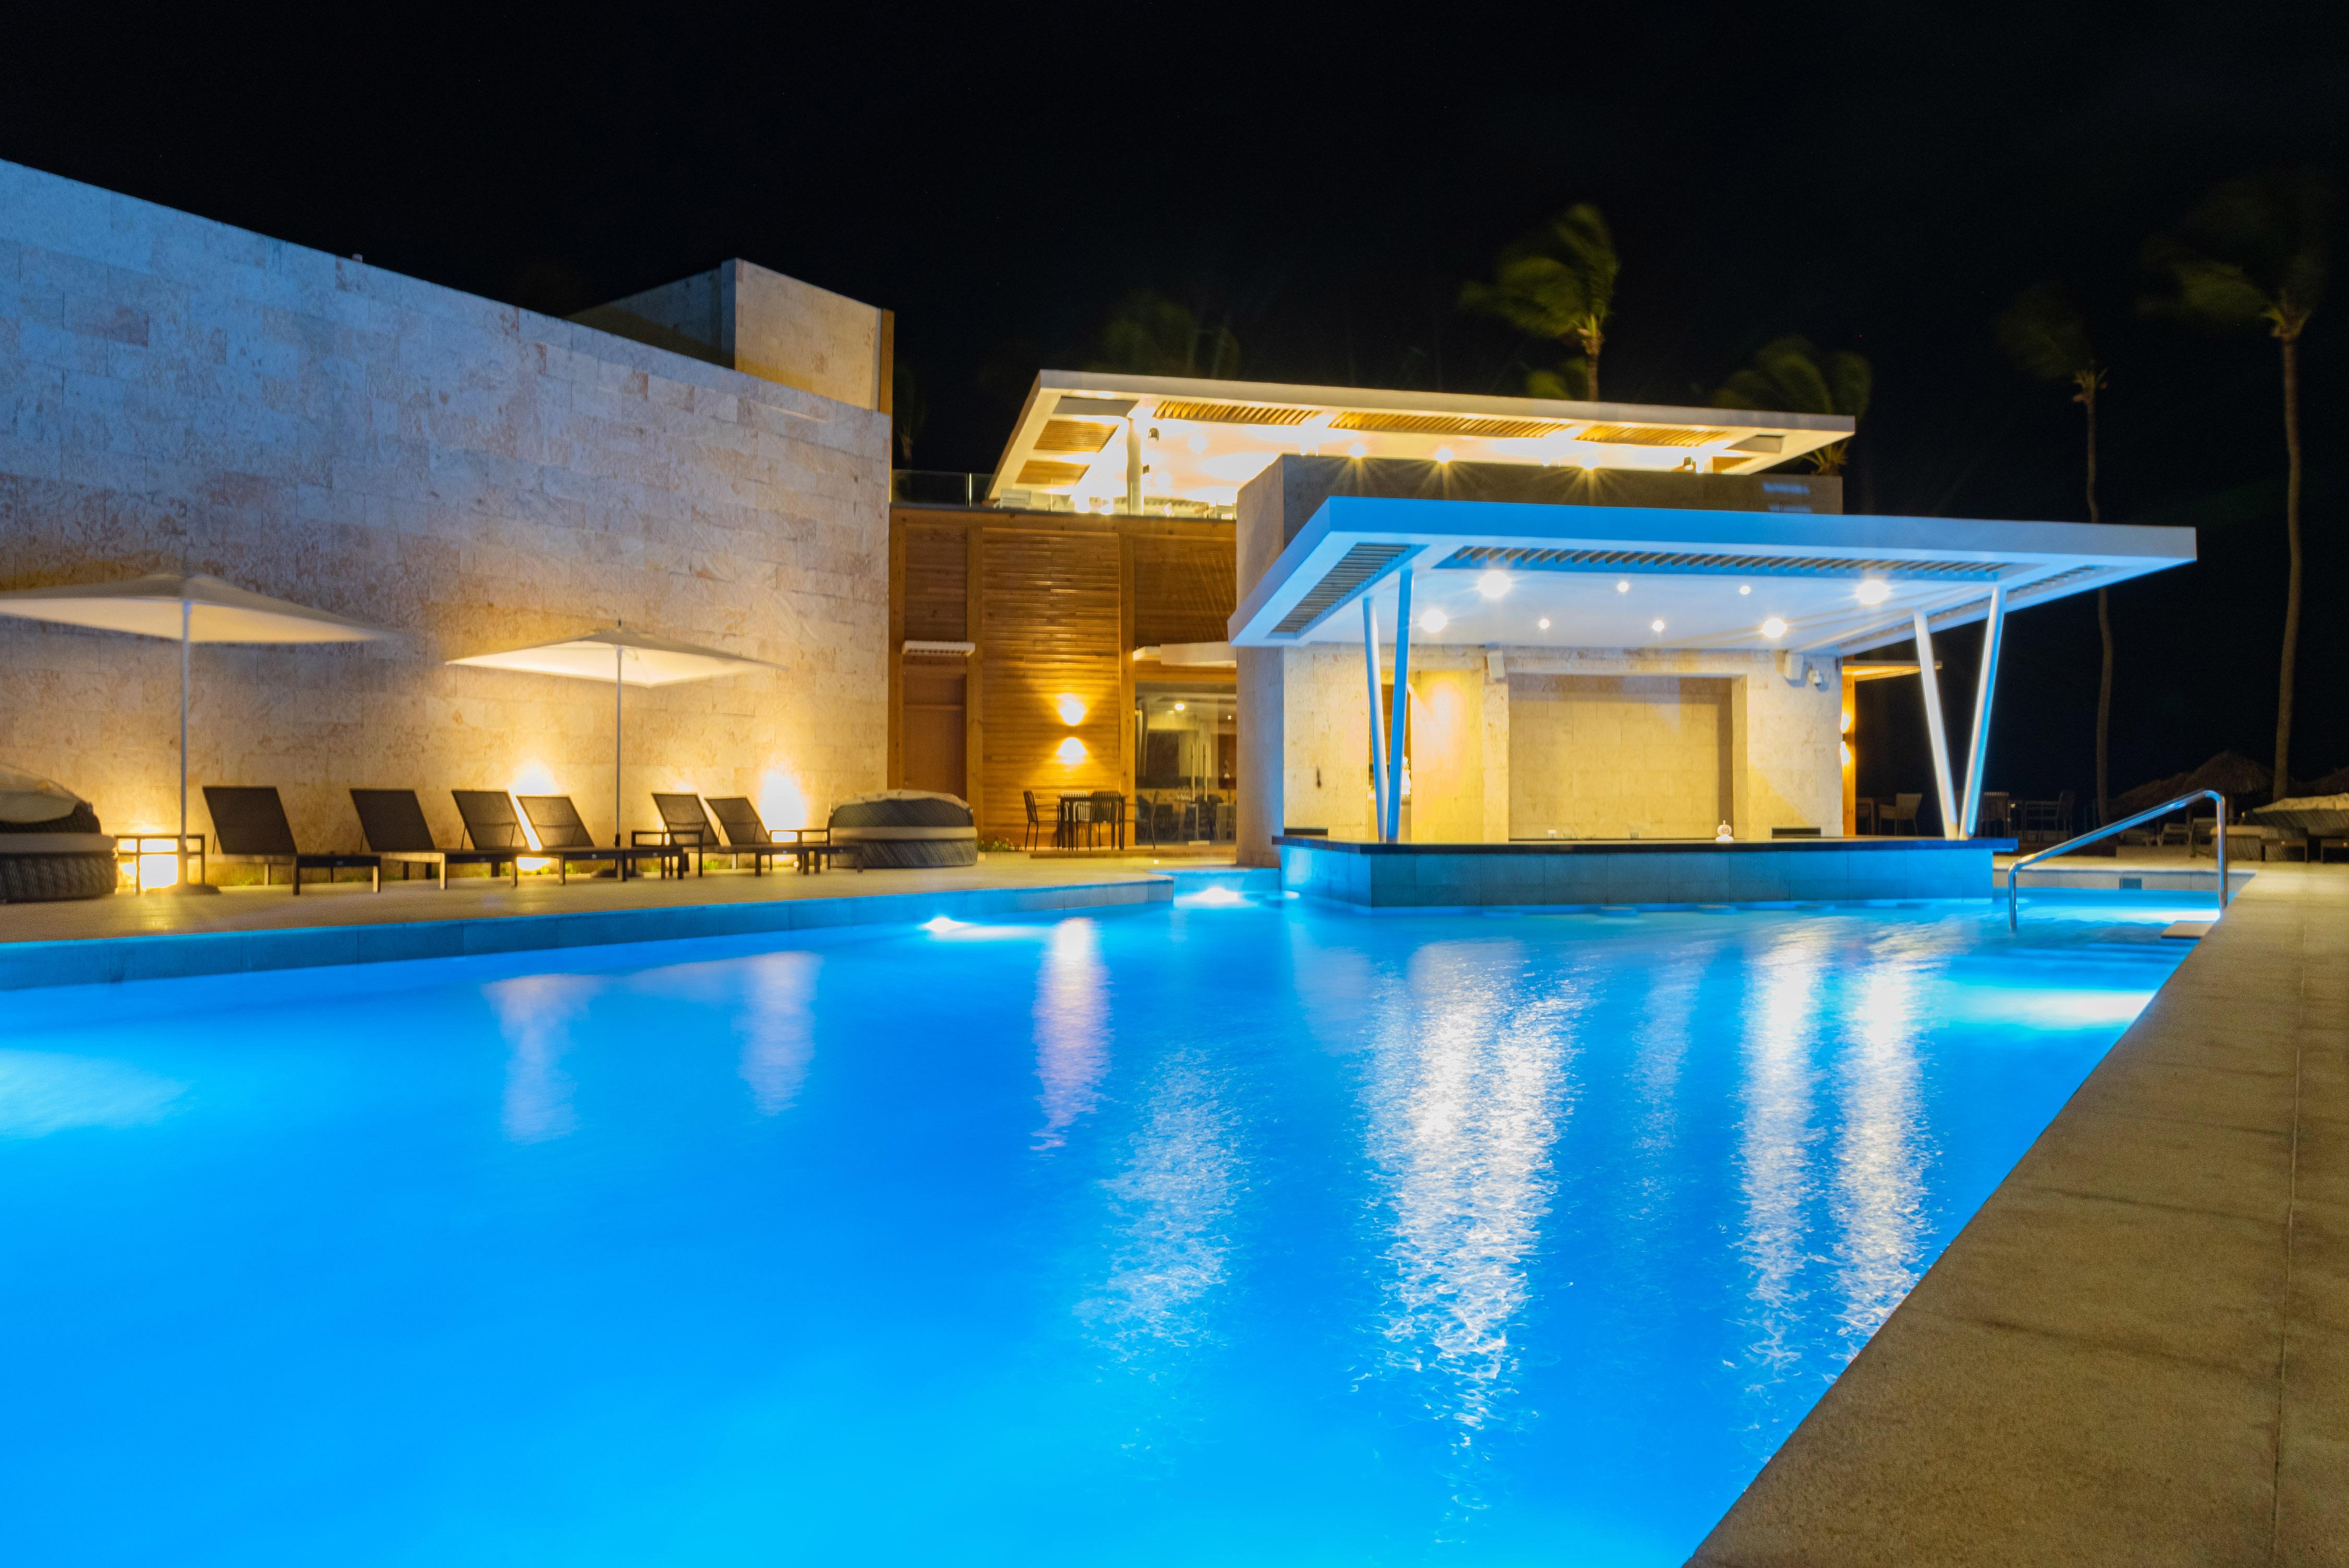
pixel 1071 708
pixel 1071 751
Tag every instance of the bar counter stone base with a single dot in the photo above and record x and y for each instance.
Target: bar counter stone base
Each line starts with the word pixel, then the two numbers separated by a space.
pixel 1587 873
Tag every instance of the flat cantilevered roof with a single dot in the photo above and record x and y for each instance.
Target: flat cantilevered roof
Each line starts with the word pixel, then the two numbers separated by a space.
pixel 1099 438
pixel 1515 574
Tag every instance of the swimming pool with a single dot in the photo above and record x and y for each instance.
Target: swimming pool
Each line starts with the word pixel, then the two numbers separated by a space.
pixel 1241 1231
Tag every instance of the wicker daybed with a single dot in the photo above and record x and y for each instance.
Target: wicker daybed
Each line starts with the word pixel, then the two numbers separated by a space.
pixel 907 828
pixel 51 845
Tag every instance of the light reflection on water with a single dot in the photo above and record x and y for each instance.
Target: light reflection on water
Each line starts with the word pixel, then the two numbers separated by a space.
pixel 1072 1017
pixel 534 1014
pixel 1470 1080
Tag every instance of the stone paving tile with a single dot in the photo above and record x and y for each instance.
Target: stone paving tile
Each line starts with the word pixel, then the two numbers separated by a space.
pixel 2244 1172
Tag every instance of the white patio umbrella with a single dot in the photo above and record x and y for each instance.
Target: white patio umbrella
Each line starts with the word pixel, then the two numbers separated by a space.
pixel 191 608
pixel 625 659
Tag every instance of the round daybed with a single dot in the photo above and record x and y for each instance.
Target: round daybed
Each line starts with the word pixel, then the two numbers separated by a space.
pixel 51 845
pixel 907 828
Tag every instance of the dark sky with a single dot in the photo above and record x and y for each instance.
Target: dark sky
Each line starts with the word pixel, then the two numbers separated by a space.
pixel 1880 178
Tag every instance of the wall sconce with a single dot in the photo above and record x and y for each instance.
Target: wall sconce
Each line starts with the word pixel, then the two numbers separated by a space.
pixel 1071 751
pixel 1071 709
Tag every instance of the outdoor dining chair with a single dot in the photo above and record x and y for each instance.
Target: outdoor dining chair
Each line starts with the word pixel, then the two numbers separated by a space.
pixel 1904 811
pixel 1035 822
pixel 250 823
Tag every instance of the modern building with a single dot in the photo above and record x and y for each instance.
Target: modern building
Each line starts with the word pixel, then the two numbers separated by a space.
pixel 1630 622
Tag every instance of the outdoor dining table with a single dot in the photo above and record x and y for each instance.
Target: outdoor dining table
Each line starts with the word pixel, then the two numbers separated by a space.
pixel 1076 811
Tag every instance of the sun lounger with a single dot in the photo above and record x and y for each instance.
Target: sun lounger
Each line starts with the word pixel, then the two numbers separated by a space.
pixel 808 847
pixel 565 838
pixel 683 828
pixel 249 821
pixel 393 822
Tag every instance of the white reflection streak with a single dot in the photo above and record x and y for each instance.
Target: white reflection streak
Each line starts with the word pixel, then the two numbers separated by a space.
pixel 1462 1121
pixel 1662 1044
pixel 1072 1028
pixel 43 1092
pixel 1173 1198
pixel 534 1014
pixel 1774 1146
pixel 778 1028
pixel 1879 1177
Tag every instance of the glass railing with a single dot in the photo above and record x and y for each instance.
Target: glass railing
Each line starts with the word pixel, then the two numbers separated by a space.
pixel 937 487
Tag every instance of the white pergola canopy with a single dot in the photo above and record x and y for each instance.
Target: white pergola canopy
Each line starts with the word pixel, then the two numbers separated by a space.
pixel 1603 576
pixel 1504 574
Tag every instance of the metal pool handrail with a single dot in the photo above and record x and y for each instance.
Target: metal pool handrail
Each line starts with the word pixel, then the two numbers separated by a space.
pixel 2164 809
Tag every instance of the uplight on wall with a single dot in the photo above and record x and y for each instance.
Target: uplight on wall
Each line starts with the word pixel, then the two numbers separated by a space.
pixel 1071 751
pixel 1070 707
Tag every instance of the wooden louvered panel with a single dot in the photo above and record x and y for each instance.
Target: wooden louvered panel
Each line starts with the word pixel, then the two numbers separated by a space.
pixel 1183 590
pixel 935 585
pixel 1074 435
pixel 1050 626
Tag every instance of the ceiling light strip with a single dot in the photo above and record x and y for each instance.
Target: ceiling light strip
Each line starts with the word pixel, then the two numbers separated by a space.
pixel 1483 557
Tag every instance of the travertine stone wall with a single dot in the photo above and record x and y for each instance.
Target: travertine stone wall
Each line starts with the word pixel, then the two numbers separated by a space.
pixel 754 319
pixel 175 393
pixel 1613 756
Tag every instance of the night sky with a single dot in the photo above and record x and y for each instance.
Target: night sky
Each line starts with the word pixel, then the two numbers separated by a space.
pixel 1880 178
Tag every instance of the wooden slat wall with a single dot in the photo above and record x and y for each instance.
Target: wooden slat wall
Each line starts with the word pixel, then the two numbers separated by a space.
pixel 935 582
pixel 1050 625
pixel 1183 589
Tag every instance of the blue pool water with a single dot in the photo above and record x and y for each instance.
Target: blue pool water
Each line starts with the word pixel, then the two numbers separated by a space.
pixel 1238 1232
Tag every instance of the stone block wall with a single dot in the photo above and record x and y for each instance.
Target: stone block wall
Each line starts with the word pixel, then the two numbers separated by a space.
pixel 178 394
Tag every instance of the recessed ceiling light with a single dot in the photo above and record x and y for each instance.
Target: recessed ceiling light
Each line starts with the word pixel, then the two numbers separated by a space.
pixel 1198 442
pixel 1358 450
pixel 1444 454
pixel 1773 628
pixel 1874 591
pixel 1434 621
pixel 1623 587
pixel 1493 584
pixel 1745 587
pixel 1178 707
pixel 1544 623
pixel 1655 626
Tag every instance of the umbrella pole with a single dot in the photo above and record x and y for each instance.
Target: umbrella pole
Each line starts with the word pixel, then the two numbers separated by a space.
pixel 619 688
pixel 187 613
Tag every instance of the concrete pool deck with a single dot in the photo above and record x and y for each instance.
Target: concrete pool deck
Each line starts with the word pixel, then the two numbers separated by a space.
pixel 2138 1350
pixel 158 936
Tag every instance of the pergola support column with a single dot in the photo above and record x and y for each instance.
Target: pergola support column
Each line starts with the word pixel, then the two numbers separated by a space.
pixel 1994 633
pixel 1378 720
pixel 1399 717
pixel 1937 735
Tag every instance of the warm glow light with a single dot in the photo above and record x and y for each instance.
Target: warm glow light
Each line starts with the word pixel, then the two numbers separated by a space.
pixel 1071 708
pixel 781 801
pixel 1071 751
pixel 534 863
pixel 1434 621
pixel 1623 587
pixel 1847 753
pixel 1358 450
pixel 1444 454
pixel 1198 443
pixel 1773 628
pixel 1179 707
pixel 536 778
pixel 1543 623
pixel 1874 591
pixel 1845 726
pixel 159 871
pixel 1655 626
pixel 1492 584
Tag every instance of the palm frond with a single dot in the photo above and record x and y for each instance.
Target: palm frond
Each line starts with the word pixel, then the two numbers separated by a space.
pixel 2045 335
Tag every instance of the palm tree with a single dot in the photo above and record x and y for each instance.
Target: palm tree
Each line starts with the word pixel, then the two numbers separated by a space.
pixel 2257 249
pixel 1150 335
pixel 1789 375
pixel 2046 337
pixel 1557 283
